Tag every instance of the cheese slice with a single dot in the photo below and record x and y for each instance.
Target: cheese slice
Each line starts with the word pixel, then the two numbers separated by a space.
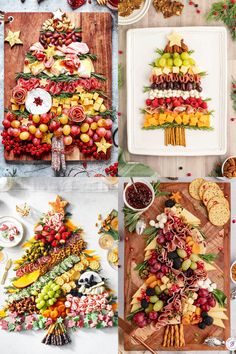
pixel 189 217
pixel 218 314
pixel 135 307
pixel 175 320
pixel 209 266
pixel 218 308
pixel 139 291
pixel 151 245
pixel 218 322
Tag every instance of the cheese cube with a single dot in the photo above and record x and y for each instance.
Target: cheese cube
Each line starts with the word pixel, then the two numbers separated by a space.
pixel 67 106
pixel 166 71
pixel 22 108
pixel 96 106
pixel 55 102
pixel 95 96
pixel 184 69
pixel 169 285
pixel 163 287
pixel 86 102
pixel 192 308
pixel 175 69
pixel 196 70
pixel 103 108
pixel 59 110
pixel 190 301
pixel 67 101
pixel 73 103
pixel 15 107
pixel 165 279
pixel 99 100
pixel 157 71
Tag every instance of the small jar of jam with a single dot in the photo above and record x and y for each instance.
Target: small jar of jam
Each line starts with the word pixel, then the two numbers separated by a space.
pixel 139 196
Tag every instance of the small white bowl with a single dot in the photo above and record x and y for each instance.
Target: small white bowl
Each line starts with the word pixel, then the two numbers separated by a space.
pixel 223 165
pixel 136 14
pixel 149 186
pixel 231 277
pixel 17 223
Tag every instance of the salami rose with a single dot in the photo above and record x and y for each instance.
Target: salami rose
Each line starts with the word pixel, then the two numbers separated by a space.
pixel 76 114
pixel 19 94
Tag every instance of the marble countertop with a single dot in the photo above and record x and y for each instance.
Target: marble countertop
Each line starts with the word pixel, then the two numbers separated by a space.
pixel 76 169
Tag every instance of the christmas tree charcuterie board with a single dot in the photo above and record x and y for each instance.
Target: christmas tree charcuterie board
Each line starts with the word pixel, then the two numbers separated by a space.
pixel 70 56
pixel 177 271
pixel 172 98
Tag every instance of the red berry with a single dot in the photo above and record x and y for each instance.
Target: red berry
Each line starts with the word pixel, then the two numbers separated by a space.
pixel 148 102
pixel 155 103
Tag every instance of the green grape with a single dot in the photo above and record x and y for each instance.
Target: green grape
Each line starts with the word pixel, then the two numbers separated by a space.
pixel 153 299
pixel 40 305
pixel 149 308
pixel 186 62
pixel 170 62
pixel 186 264
pixel 166 55
pixel 157 62
pixel 50 302
pixel 176 55
pixel 193 265
pixel 158 305
pixel 158 290
pixel 51 294
pixel 194 257
pixel 56 287
pixel 192 61
pixel 57 295
pixel 46 297
pixel 181 253
pixel 49 283
pixel 177 62
pixel 184 55
pixel 162 62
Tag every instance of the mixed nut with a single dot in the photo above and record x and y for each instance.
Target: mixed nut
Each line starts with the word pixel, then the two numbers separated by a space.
pixel 26 305
pixel 229 169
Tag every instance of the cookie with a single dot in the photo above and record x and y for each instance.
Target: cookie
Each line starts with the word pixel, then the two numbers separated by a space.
pixel 210 193
pixel 219 215
pixel 203 187
pixel 217 200
pixel 194 188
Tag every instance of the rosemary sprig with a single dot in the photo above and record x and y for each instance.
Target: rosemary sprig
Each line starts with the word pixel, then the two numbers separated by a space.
pixel 30 57
pixel 99 76
pixel 209 257
pixel 131 218
pixel 151 232
pixel 157 191
pixel 141 266
pixel 159 51
pixel 172 125
pixel 88 55
pixel 18 113
pixel 146 89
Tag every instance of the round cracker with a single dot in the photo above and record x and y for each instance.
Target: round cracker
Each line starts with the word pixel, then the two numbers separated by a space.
pixel 204 187
pixel 194 188
pixel 219 215
pixel 210 193
pixel 217 200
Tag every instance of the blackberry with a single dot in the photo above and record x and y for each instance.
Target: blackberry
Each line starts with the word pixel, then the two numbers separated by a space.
pixel 208 320
pixel 144 303
pixel 202 325
pixel 172 255
pixel 169 203
pixel 177 263
pixel 150 292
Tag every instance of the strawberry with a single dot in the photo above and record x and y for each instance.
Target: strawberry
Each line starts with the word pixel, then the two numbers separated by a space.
pixel 52 232
pixel 45 233
pixel 50 238
pixel 46 228
pixel 155 103
pixel 168 100
pixel 62 229
pixel 54 243
pixel 57 236
pixel 148 102
pixel 161 101
pixel 204 105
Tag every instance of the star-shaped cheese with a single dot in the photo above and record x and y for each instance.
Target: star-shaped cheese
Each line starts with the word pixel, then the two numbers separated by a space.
pixel 176 196
pixel 43 82
pixel 24 121
pixel 50 51
pixel 58 15
pixel 175 39
pixel 13 38
pixel 103 145
pixel 59 205
pixel 47 138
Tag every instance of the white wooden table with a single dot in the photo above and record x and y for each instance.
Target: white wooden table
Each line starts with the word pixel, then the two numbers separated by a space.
pixel 169 166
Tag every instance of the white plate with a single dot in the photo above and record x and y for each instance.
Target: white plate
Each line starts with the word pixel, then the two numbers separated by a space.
pixel 136 14
pixel 18 238
pixel 210 52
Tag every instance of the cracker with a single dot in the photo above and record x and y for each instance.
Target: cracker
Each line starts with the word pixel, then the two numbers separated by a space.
pixel 217 200
pixel 219 215
pixel 194 188
pixel 210 193
pixel 204 187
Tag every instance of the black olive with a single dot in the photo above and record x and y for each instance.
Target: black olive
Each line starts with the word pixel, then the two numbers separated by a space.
pixel 183 86
pixel 171 85
pixel 177 85
pixel 144 303
pixel 177 263
pixel 200 89
pixel 208 320
pixel 172 255
pixel 189 273
pixel 80 295
pixel 189 86
pixel 150 292
pixel 202 325
pixel 204 314
pixel 169 203
pixel 153 86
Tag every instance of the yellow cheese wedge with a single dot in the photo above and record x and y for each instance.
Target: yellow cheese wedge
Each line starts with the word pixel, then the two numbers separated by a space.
pixel 188 217
pixel 218 308
pixel 209 266
pixel 135 307
pixel 152 245
pixel 218 322
pixel 175 320
pixel 138 292
pixel 218 314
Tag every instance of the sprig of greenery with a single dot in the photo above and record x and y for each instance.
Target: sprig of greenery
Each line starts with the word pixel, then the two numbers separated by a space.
pixel 159 51
pixel 31 58
pixel 146 89
pixel 88 55
pixel 151 232
pixel 173 125
pixel 209 257
pixel 220 297
pixel 131 218
pixel 18 113
pixel 157 191
pixel 131 315
pixel 99 76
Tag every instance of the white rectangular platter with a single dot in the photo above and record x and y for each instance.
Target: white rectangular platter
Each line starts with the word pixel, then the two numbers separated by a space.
pixel 210 53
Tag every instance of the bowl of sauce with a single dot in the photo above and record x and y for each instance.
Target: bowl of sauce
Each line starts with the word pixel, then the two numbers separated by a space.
pixel 139 196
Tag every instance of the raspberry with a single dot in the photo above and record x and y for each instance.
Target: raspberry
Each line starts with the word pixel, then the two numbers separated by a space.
pixel 148 102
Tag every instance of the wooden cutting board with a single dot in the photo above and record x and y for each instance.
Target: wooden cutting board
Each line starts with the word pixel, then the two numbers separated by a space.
pixel 97 33
pixel 134 254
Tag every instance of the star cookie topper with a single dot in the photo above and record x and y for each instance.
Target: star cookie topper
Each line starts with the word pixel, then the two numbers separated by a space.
pixel 58 15
pixel 175 39
pixel 103 145
pixel 59 205
pixel 13 38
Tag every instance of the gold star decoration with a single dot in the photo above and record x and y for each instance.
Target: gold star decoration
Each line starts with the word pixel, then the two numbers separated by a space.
pixel 50 52
pixel 59 205
pixel 47 138
pixel 24 121
pixel 43 82
pixel 176 196
pixel 13 38
pixel 103 146
pixel 175 39
pixel 58 15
